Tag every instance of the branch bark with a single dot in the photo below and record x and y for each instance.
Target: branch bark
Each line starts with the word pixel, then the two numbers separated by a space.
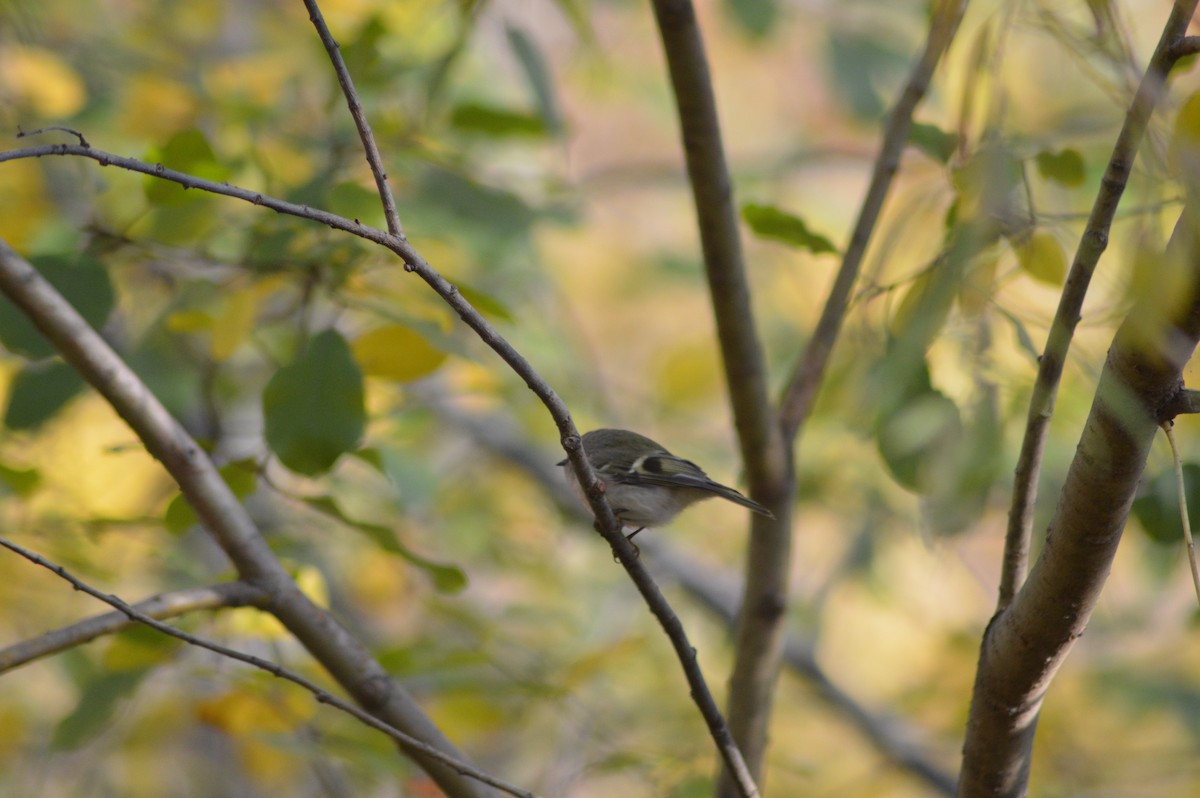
pixel 759 643
pixel 163 425
pixel 1067 316
pixel 164 605
pixel 346 659
pixel 1028 641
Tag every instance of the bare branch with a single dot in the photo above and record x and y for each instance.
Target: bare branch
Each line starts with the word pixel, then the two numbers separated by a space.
pixel 1027 642
pixel 323 696
pixel 1185 46
pixel 715 591
pixel 347 660
pixel 1062 328
pixel 768 471
pixel 801 392
pixel 374 159
pixel 223 515
pixel 82 141
pixel 164 605
pixel 1185 402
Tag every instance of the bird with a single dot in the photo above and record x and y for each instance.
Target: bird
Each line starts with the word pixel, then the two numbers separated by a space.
pixel 646 485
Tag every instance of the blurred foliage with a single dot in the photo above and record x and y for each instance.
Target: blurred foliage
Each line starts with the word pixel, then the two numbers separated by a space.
pixel 533 150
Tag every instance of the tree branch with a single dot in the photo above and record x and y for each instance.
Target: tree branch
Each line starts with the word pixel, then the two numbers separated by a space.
pixel 370 148
pixel 164 605
pixel 801 392
pixel 346 659
pixel 1185 402
pixel 715 591
pixel 1091 246
pixel 1027 642
pixel 166 440
pixel 323 696
pixel 760 630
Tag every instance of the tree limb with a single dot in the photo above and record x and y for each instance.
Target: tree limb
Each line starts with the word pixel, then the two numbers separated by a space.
pixel 1091 246
pixel 801 392
pixel 715 591
pixel 168 437
pixel 760 629
pixel 1027 642
pixel 354 104
pixel 323 696
pixel 346 659
pixel 164 605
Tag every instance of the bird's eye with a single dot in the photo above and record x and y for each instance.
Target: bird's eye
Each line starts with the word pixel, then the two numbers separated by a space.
pixel 653 465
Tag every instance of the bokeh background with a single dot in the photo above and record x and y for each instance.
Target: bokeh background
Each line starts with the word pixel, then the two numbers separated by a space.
pixel 533 147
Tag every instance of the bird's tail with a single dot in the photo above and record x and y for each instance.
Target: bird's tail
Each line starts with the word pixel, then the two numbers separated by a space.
pixel 737 498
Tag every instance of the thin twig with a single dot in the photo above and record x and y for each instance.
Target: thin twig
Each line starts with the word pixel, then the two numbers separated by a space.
pixel 323 696
pixel 82 141
pixel 374 158
pixel 801 391
pixel 1091 246
pixel 1185 402
pixel 1167 427
pixel 714 590
pixel 164 605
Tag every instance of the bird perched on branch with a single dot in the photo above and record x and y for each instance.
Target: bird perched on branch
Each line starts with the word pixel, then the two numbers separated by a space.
pixel 646 485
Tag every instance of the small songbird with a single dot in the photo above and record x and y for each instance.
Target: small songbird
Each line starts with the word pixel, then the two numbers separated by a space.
pixel 646 485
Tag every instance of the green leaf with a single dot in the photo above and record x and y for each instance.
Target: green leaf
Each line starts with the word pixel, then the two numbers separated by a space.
pixel 99 695
pixel 486 304
pixel 313 407
pixel 1065 167
pixel 772 223
pixel 538 74
pixel 81 279
pixel 38 392
pixel 186 151
pixel 858 62
pixel 22 481
pixel 497 122
pixel 447 578
pixel 1042 258
pixel 756 18
pixel 1157 506
pixel 938 144
pixel 919 439
pixel 357 202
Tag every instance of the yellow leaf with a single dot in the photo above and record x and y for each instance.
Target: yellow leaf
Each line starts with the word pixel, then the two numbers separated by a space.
pixel 234 324
pixel 154 107
pixel 926 303
pixel 1042 258
pixel 396 352
pixel 979 284
pixel 187 321
pixel 1184 151
pixel 43 81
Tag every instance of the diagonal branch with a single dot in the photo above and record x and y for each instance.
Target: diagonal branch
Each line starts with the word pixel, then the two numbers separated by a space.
pixel 164 605
pixel 343 655
pixel 715 591
pixel 223 515
pixel 1062 328
pixel 323 696
pixel 801 392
